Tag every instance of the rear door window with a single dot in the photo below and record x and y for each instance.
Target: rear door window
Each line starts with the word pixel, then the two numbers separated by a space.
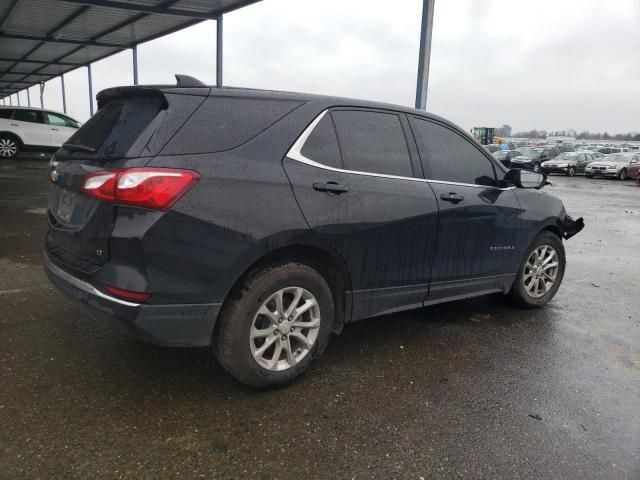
pixel 322 145
pixel 372 142
pixel 448 156
pixel 58 120
pixel 31 116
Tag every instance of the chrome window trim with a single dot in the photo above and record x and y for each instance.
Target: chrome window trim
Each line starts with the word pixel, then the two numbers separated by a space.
pixel 295 153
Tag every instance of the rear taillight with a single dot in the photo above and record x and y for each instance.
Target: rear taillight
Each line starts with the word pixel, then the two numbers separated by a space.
pixel 154 188
pixel 127 294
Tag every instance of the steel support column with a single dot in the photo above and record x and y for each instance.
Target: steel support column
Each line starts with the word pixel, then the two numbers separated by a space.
pixel 219 51
pixel 426 30
pixel 28 98
pixel 64 95
pixel 90 90
pixel 134 50
pixel 18 95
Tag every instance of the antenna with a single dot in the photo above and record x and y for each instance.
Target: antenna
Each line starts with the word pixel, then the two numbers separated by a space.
pixel 187 81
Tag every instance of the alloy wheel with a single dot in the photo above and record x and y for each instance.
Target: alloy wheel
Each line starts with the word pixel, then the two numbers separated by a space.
pixel 8 147
pixel 285 328
pixel 623 174
pixel 572 171
pixel 536 167
pixel 540 271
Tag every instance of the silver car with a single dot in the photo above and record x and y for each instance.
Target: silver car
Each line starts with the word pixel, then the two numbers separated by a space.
pixel 615 165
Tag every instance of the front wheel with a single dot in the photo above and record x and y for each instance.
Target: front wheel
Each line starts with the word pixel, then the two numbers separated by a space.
pixel 623 174
pixel 9 146
pixel 540 273
pixel 572 172
pixel 276 325
pixel 588 176
pixel 536 167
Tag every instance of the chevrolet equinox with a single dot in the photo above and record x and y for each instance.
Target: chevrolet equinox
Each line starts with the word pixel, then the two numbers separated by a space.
pixel 259 222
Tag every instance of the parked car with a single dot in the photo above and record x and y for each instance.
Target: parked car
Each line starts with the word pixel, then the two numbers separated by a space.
pixel 616 165
pixel 532 158
pixel 597 156
pixel 505 156
pixel 23 128
pixel 260 222
pixel 568 163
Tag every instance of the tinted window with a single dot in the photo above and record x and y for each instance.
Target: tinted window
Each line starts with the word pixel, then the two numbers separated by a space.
pixel 448 156
pixel 322 144
pixel 32 116
pixel 373 142
pixel 119 129
pixel 5 113
pixel 223 123
pixel 57 120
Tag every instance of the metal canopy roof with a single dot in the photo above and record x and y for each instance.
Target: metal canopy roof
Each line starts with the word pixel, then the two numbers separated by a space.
pixel 42 39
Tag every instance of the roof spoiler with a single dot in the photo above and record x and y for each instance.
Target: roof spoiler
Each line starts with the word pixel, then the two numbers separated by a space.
pixel 115 93
pixel 188 81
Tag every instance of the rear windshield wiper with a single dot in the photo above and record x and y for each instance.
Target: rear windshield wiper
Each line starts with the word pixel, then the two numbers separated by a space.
pixel 72 147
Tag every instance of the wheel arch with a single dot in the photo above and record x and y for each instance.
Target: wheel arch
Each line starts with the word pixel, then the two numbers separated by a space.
pixel 333 270
pixel 14 135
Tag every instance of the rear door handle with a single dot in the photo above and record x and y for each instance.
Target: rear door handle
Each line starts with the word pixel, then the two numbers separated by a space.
pixel 451 197
pixel 330 187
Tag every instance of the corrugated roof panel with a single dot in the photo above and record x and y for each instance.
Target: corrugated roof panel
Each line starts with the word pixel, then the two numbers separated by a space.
pixel 35 17
pixel 12 48
pixel 94 22
pixel 50 51
pixel 145 28
pixel 88 54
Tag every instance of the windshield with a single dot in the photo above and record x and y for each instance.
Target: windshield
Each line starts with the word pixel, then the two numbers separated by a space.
pixel 617 157
pixel 567 156
pixel 529 152
pixel 116 127
pixel 500 154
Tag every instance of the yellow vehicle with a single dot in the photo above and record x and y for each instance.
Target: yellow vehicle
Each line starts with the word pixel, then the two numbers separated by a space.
pixel 486 136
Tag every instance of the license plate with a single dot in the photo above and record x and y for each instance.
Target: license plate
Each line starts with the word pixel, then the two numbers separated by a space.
pixel 65 206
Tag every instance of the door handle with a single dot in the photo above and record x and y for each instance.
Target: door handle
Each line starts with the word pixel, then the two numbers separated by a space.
pixel 330 187
pixel 451 197
pixel 54 129
pixel 14 125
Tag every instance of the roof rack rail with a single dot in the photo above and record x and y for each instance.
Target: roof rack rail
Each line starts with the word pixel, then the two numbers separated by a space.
pixel 188 81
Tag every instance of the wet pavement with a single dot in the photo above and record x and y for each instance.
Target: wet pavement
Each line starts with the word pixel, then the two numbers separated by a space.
pixel 474 389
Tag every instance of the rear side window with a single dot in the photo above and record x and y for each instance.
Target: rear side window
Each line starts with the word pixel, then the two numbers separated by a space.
pixel 223 123
pixel 372 142
pixel 5 113
pixel 322 144
pixel 448 156
pixel 31 116
pixel 119 129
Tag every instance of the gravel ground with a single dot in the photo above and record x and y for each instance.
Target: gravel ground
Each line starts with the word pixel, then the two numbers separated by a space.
pixel 474 389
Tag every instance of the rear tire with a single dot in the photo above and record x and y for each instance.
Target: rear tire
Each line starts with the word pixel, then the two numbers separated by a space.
pixel 252 318
pixel 623 174
pixel 9 146
pixel 540 273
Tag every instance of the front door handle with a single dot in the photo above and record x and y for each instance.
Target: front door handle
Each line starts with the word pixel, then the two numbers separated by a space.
pixel 330 187
pixel 451 197
pixel 14 124
pixel 54 129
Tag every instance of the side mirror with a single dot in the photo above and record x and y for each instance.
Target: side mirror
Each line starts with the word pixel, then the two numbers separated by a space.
pixel 525 178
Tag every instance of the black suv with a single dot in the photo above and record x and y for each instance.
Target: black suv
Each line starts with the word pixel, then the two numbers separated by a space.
pixel 260 222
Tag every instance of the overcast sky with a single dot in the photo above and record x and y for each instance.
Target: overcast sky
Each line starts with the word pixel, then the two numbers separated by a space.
pixel 553 64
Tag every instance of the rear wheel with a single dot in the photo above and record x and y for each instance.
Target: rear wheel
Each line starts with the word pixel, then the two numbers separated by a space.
pixel 277 326
pixel 541 272
pixel 9 146
pixel 623 174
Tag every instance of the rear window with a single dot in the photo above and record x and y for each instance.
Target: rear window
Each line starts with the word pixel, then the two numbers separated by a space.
pixel 120 129
pixel 223 123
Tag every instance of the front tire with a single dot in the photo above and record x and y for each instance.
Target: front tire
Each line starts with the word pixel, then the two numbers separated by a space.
pixel 9 146
pixel 276 325
pixel 536 167
pixel 540 273
pixel 572 172
pixel 623 174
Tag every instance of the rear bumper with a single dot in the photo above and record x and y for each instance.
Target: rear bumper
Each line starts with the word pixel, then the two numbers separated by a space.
pixel 175 325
